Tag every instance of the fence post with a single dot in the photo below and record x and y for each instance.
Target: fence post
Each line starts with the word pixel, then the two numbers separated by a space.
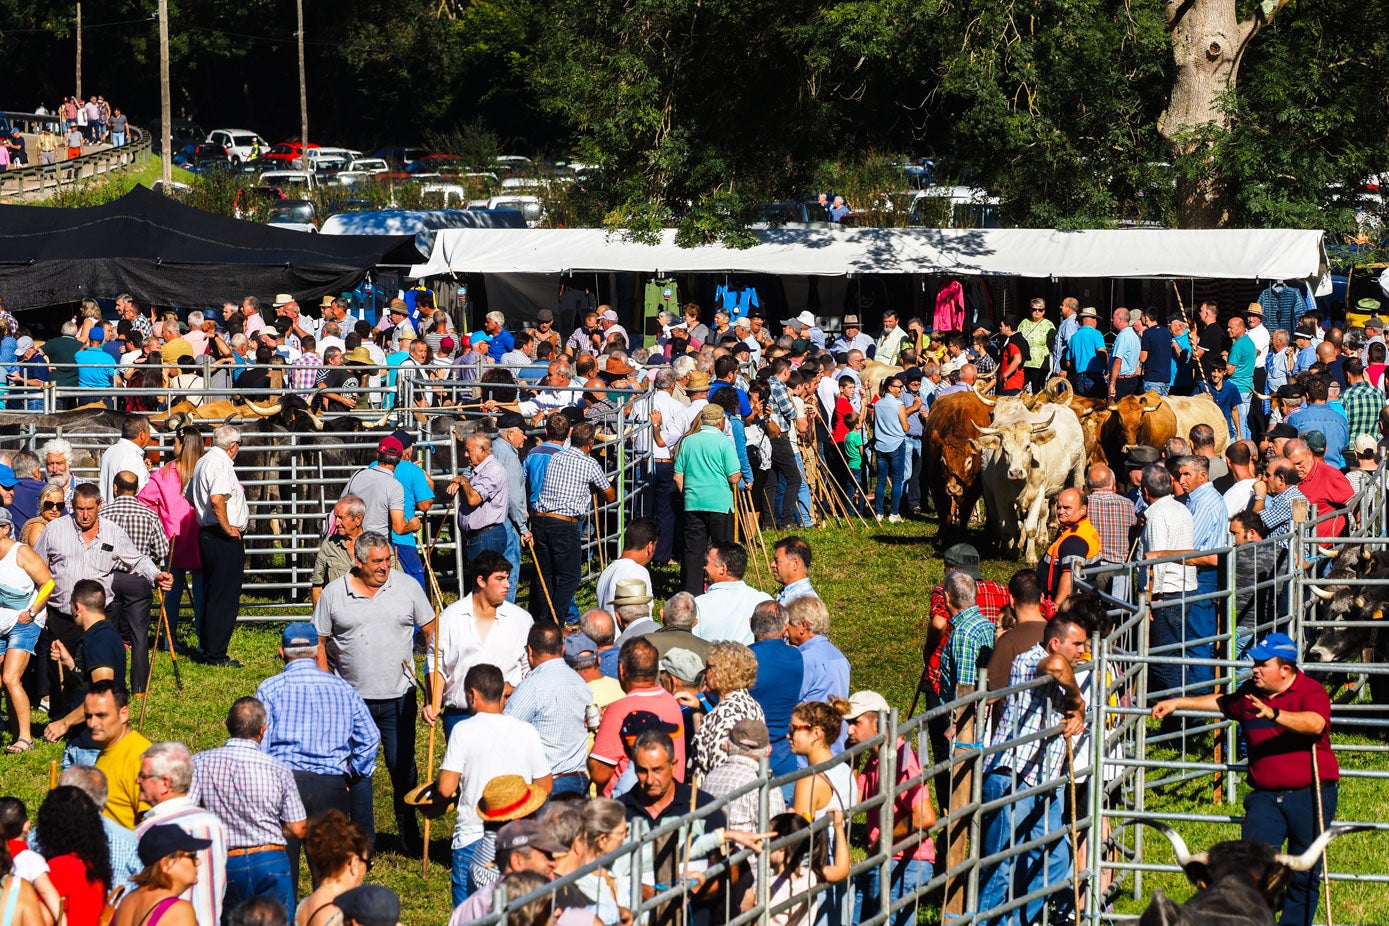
pixel 962 832
pixel 887 786
pixel 460 552
pixel 1141 746
pixel 764 824
pixel 1298 573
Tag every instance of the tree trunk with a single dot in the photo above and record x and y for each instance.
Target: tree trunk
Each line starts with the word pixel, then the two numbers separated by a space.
pixel 1207 42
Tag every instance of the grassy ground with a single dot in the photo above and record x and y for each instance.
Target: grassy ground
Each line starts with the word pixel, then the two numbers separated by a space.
pixel 875 580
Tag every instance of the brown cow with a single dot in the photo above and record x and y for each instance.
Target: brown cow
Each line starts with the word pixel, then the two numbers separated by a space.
pixel 220 410
pixel 1137 419
pixel 951 464
pixel 1093 413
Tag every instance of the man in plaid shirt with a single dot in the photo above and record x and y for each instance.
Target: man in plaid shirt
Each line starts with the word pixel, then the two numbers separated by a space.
pixel 304 369
pixel 1361 401
pixel 783 415
pixel 131 597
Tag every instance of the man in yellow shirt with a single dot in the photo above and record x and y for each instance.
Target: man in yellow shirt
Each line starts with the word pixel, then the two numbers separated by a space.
pixel 108 718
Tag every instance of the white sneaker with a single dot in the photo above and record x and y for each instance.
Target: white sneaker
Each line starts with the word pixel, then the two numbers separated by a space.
pixel 894 519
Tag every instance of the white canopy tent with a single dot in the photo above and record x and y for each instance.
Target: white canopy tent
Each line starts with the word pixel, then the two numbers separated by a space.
pixel 1253 254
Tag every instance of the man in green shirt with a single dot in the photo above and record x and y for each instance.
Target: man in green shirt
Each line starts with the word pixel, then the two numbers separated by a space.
pixel 706 470
pixel 1240 369
pixel 62 353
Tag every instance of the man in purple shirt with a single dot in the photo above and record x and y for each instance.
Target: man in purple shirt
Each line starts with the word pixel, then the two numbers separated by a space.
pixel 485 493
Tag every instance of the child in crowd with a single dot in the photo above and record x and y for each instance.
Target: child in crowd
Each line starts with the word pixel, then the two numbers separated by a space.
pixel 853 448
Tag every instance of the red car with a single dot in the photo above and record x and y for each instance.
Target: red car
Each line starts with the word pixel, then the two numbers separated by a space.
pixel 287 151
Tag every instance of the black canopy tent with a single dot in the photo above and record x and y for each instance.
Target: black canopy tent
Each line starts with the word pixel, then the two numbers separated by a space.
pixel 166 253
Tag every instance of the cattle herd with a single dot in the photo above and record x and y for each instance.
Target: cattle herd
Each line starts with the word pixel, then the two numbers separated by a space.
pixel 1018 452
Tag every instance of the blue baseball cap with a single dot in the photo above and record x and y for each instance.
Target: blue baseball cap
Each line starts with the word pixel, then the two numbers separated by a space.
pixel 299 633
pixel 7 477
pixel 96 334
pixel 1275 644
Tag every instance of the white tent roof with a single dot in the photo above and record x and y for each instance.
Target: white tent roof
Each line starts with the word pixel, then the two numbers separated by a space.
pixel 1282 254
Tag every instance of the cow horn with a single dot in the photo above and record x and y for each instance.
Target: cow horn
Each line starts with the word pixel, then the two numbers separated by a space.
pixel 176 421
pixel 987 432
pixel 1328 551
pixel 1153 408
pixel 1360 601
pixel 1056 383
pixel 1263 398
pixel 983 398
pixel 1322 593
pixel 1366 554
pixel 1306 860
pixel 317 422
pixel 1044 425
pixel 1184 857
pixel 380 422
pixel 1112 407
pixel 264 411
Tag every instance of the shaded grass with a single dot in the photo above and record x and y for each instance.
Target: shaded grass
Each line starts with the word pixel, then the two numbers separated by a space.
pixel 876 580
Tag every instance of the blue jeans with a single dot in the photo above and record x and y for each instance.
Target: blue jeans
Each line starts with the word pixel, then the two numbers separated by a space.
pixel 1022 821
pixel 117 140
pixel 891 464
pixel 411 564
pixel 1201 623
pixel 513 556
pixel 570 784
pixel 489 538
pixel 260 874
pixel 908 875
pixel 173 599
pixel 1159 388
pixel 1273 816
pixel 1244 398
pixel 76 755
pixel 458 878
pixel 911 495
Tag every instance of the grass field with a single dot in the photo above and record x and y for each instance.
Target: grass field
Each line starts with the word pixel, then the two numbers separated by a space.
pixel 876 580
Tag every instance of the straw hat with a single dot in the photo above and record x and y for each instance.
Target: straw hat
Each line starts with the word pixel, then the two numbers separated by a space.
pixel 509 797
pixel 631 591
pixel 698 382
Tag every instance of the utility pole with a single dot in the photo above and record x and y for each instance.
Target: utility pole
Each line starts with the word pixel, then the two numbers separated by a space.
pixel 166 108
pixel 303 89
pixel 79 51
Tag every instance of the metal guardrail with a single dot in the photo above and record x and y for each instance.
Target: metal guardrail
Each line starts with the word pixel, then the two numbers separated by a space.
pixel 293 479
pixel 37 178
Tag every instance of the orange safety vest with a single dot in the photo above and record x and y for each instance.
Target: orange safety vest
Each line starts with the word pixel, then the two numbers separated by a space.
pixel 1084 530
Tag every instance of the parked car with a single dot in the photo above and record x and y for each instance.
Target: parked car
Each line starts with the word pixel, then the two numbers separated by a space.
pixel 291 181
pixel 530 207
pixel 294 214
pixel 790 213
pixel 400 155
pixel 369 166
pixel 241 144
pixel 196 156
pixel 181 132
pixel 249 200
pixel 436 164
pixel 287 152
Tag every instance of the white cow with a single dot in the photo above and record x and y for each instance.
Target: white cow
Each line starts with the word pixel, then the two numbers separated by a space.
pixel 1200 409
pixel 1029 457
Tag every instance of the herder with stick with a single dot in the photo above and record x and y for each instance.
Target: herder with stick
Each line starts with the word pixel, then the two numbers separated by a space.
pixel 1285 717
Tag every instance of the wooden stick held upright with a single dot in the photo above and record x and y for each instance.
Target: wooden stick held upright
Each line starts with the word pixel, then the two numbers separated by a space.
pixel 436 695
pixel 539 574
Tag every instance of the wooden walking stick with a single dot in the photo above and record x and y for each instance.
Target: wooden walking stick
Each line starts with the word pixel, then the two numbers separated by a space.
pixel 53 775
pixel 539 574
pixel 436 696
pixel 598 533
pixel 1075 816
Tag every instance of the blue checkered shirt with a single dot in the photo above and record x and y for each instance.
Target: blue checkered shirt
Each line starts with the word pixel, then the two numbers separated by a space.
pixel 553 699
pixel 317 722
pixel 570 480
pixel 971 642
pixel 782 408
pixel 253 794
pixel 1362 403
pixel 1025 713
pixel 1278 512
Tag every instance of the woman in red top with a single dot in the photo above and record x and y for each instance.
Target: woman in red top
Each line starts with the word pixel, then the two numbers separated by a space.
pixel 73 841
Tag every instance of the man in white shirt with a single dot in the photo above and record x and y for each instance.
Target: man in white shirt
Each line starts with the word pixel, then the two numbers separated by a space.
pixel 1168 526
pixel 725 609
pixel 220 505
pixel 481 628
pixel 166 774
pixel 126 455
pixel 487 745
pixel 638 547
pixel 1240 456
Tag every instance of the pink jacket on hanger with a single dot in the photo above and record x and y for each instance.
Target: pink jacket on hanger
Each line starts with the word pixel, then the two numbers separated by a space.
pixel 950 308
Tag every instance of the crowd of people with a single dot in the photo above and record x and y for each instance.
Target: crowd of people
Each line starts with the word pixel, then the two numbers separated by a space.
pixel 570 733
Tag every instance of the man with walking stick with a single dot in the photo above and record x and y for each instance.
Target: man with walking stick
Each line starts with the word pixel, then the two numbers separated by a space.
pixel 1285 717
